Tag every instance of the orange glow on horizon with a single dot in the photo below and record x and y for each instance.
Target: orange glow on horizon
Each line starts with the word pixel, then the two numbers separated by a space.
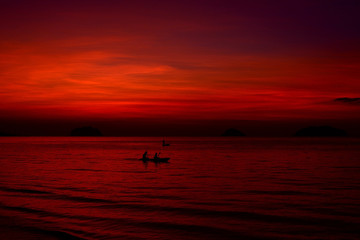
pixel 127 71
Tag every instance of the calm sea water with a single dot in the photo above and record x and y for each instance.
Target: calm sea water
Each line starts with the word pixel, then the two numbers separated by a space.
pixel 212 188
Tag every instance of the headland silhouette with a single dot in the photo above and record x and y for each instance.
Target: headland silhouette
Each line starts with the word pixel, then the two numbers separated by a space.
pixel 233 132
pixel 87 131
pixel 320 131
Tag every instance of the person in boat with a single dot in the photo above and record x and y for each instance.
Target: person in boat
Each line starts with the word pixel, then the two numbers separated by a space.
pixel 156 156
pixel 145 155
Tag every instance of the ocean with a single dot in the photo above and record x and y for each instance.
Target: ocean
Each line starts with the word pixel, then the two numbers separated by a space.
pixel 212 188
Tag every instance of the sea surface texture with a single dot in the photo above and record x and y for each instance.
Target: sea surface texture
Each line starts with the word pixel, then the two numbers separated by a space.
pixel 212 188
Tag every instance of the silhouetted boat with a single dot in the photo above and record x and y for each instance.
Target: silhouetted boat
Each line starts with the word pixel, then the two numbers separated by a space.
pixel 164 143
pixel 155 159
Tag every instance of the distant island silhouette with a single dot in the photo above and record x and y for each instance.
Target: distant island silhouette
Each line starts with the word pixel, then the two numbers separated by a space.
pixel 233 132
pixel 87 131
pixel 320 131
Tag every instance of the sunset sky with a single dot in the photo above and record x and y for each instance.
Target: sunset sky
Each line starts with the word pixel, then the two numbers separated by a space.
pixel 225 62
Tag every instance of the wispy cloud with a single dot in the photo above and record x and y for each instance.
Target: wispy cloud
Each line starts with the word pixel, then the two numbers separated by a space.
pixel 347 100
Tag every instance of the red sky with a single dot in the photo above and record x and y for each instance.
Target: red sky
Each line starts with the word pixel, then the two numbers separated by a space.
pixel 180 60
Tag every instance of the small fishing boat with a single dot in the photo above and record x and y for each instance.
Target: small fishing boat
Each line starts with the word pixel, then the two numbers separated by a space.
pixel 156 158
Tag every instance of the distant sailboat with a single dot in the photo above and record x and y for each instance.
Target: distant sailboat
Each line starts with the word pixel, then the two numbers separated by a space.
pixel 164 143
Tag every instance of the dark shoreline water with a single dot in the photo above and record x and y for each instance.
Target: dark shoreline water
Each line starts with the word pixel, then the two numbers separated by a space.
pixel 213 188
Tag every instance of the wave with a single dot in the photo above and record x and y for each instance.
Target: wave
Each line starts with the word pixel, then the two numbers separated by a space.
pixel 203 229
pixel 19 228
pixel 23 190
pixel 207 232
pixel 188 211
pixel 85 169
pixel 236 215
pixel 53 195
pixel 284 193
